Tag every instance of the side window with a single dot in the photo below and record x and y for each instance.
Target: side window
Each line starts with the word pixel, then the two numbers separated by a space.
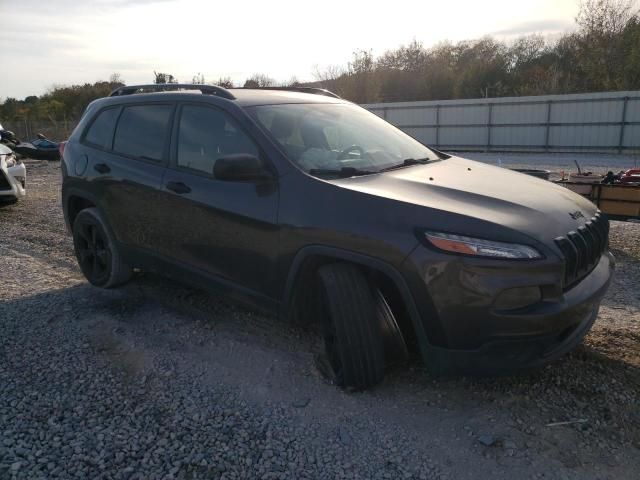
pixel 142 131
pixel 100 132
pixel 206 134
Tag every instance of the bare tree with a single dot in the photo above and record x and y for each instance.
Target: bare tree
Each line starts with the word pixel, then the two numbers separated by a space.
pixel 328 73
pixel 164 78
pixel 606 44
pixel 606 17
pixel 525 50
pixel 362 62
pixel 292 82
pixel 259 80
pixel 116 78
pixel 224 82
pixel 198 79
pixel 411 58
pixel 330 77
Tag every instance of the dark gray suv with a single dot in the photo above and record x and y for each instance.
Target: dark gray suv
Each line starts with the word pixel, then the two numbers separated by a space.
pixel 301 203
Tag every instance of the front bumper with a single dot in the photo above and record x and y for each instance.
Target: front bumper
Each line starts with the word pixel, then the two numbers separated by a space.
pixel 467 335
pixel 11 185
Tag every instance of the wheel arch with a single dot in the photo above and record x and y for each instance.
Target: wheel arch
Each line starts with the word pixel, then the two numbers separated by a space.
pixel 74 201
pixel 386 276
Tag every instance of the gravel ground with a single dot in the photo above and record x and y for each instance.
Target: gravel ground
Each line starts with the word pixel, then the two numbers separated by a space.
pixel 156 380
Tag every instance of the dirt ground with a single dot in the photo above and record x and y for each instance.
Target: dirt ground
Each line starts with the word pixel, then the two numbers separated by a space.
pixel 74 355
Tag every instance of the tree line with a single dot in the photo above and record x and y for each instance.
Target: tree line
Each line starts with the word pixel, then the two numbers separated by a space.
pixel 602 54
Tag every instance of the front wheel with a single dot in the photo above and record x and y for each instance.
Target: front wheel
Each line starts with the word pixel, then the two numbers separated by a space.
pixel 97 252
pixel 352 336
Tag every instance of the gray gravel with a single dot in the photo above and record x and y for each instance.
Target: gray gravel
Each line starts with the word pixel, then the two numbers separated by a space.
pixel 156 380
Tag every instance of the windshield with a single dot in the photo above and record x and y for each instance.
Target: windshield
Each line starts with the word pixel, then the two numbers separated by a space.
pixel 330 140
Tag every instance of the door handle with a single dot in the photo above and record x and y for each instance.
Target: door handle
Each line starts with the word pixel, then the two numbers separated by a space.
pixel 101 168
pixel 178 187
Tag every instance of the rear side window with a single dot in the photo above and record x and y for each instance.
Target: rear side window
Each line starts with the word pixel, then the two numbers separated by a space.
pixel 100 132
pixel 205 134
pixel 142 131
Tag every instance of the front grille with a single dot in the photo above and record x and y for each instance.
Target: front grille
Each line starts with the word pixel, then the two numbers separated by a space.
pixel 582 248
pixel 4 183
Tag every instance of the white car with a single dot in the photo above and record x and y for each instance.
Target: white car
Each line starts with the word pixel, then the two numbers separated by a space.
pixel 13 177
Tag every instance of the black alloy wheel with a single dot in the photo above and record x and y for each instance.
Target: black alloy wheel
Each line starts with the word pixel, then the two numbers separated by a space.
pixel 97 252
pixel 93 252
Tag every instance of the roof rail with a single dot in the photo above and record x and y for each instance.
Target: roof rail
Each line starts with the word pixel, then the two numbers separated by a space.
pixel 313 90
pixel 163 87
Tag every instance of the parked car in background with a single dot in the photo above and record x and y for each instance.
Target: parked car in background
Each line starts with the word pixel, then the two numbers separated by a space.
pixel 307 205
pixel 13 177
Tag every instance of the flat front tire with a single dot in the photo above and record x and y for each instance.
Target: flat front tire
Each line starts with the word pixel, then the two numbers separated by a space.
pixel 96 250
pixel 353 340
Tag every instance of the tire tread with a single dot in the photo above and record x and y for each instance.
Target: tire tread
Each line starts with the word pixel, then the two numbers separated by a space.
pixel 352 308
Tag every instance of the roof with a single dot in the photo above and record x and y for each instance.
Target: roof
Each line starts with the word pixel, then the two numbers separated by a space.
pixel 241 96
pixel 250 97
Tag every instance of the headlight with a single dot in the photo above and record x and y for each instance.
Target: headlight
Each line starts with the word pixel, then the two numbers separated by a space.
pixel 479 247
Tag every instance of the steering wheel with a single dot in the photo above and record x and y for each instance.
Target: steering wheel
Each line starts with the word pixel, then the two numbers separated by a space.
pixel 345 153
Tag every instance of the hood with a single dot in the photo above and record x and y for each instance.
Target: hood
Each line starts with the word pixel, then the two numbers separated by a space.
pixel 535 207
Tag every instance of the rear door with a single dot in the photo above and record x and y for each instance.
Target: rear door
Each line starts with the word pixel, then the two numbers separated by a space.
pixel 224 229
pixel 126 168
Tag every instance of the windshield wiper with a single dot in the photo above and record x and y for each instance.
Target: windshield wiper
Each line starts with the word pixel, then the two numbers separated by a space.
pixel 407 162
pixel 343 172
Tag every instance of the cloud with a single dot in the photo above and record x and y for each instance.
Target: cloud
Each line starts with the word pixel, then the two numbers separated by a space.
pixel 535 26
pixel 67 48
pixel 30 42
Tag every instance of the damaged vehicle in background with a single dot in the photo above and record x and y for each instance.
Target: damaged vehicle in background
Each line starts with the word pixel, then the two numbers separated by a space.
pixel 40 148
pixel 13 177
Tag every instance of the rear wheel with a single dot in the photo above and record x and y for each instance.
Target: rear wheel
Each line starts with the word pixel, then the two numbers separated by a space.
pixel 353 341
pixel 97 251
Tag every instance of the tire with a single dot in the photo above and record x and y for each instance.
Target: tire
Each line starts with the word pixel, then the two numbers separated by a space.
pixel 97 252
pixel 353 341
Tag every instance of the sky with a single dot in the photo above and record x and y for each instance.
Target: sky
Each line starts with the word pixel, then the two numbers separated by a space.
pixel 44 43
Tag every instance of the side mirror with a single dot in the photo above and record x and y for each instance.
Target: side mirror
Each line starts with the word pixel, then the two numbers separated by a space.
pixel 241 167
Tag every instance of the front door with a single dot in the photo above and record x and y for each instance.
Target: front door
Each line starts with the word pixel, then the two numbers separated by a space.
pixel 225 229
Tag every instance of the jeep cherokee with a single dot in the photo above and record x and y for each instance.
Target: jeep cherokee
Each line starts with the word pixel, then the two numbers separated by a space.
pixel 304 204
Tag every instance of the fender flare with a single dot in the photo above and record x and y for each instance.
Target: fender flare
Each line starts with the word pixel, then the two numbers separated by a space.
pixel 360 259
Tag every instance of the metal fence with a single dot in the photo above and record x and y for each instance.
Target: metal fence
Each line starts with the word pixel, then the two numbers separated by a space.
pixel 27 130
pixel 598 122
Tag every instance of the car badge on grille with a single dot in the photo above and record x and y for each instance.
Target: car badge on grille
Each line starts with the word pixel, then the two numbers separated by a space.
pixel 576 215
